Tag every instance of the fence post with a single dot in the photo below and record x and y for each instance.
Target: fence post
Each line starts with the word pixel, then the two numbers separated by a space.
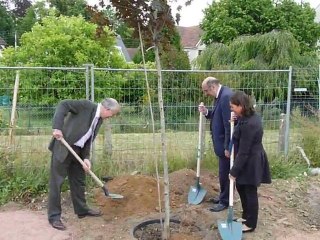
pixel 107 139
pixel 87 80
pixel 91 98
pixel 319 95
pixel 287 125
pixel 282 128
pixel 92 82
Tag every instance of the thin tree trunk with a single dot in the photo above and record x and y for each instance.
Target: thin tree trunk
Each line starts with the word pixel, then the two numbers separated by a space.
pixel 166 229
pixel 156 162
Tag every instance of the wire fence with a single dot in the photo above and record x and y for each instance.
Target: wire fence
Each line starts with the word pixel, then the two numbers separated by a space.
pixel 132 143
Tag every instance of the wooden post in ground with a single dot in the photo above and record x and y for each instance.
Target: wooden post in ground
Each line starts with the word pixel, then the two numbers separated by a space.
pixel 13 110
pixel 108 138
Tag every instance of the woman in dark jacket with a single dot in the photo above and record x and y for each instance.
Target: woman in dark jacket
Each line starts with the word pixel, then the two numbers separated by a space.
pixel 251 167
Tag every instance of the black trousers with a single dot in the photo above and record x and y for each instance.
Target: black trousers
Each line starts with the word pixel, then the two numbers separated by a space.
pixel 250 204
pixel 76 175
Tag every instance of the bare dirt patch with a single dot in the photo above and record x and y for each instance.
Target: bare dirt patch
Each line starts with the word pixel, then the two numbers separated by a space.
pixel 288 210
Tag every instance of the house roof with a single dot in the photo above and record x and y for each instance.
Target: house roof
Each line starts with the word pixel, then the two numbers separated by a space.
pixel 132 52
pixel 190 36
pixel 123 48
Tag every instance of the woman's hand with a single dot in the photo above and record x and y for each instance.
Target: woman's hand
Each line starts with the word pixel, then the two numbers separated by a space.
pixel 232 177
pixel 227 153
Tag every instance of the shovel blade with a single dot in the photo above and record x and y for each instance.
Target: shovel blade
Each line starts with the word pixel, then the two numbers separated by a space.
pixel 115 196
pixel 196 195
pixel 230 230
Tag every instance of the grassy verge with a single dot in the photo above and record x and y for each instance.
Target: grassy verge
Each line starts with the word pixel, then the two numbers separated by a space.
pixel 24 170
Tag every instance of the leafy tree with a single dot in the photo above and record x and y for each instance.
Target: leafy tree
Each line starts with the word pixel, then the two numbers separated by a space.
pixel 299 19
pixel 273 50
pixel 20 7
pixel 61 41
pixel 64 41
pixel 6 24
pixel 227 19
pixel 70 7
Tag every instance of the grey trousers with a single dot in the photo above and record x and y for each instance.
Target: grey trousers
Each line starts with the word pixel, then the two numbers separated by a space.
pixel 76 175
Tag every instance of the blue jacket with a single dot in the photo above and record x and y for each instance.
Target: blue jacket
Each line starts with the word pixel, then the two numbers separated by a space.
pixel 219 117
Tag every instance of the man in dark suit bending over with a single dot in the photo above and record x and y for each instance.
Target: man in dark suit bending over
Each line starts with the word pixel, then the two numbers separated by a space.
pixel 219 117
pixel 78 121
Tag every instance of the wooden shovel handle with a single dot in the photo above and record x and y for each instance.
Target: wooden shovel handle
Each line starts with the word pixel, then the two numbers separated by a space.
pixel 97 180
pixel 199 142
pixel 231 185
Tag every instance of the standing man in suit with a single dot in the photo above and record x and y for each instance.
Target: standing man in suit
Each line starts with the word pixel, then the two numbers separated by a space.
pixel 219 117
pixel 78 121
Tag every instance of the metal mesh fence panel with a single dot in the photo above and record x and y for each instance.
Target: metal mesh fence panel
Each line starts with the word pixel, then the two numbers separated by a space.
pixel 127 140
pixel 38 92
pixel 305 102
pixel 132 140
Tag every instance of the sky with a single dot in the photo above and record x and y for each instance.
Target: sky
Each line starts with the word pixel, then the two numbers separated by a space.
pixel 192 15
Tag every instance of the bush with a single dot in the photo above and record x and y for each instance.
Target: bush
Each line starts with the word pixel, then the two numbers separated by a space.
pixel 310 132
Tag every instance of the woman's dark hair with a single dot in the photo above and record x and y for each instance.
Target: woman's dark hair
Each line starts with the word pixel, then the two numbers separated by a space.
pixel 239 98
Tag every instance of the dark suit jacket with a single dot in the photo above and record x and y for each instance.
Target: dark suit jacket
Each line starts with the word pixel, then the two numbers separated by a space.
pixel 251 165
pixel 219 124
pixel 73 118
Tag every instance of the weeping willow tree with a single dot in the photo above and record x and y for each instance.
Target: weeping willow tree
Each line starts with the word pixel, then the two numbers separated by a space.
pixel 273 50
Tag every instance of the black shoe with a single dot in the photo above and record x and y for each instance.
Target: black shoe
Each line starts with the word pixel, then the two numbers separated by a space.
pixel 90 213
pixel 214 200
pixel 218 207
pixel 240 220
pixel 57 224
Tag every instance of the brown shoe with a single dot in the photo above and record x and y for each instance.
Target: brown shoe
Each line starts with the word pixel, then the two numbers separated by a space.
pixel 90 213
pixel 57 224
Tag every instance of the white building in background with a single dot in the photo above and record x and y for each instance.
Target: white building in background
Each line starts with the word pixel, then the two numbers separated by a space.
pixel 317 19
pixel 191 41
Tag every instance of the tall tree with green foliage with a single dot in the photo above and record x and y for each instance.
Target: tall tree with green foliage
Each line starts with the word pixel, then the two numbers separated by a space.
pixel 34 14
pixel 274 50
pixel 20 7
pixel 64 41
pixel 70 7
pixel 6 24
pixel 227 19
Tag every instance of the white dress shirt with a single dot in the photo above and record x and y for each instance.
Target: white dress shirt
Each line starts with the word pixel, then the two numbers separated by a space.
pixel 89 133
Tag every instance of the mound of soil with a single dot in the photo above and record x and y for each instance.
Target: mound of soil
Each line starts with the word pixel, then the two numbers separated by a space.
pixel 141 193
pixel 140 196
